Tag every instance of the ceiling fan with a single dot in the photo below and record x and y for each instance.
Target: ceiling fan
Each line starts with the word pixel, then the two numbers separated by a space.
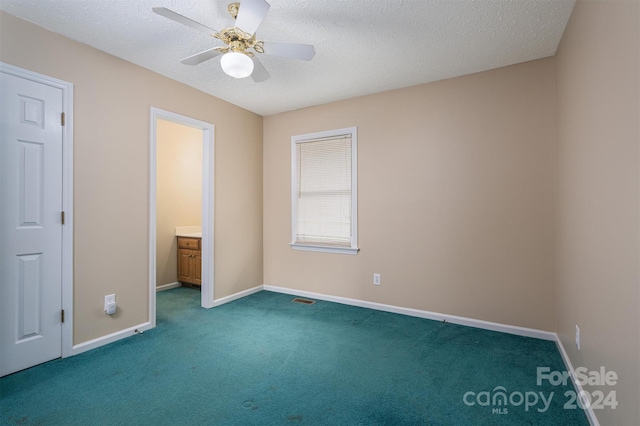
pixel 239 58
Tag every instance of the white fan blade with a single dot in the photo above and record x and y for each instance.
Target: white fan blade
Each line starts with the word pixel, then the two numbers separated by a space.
pixel 251 14
pixel 259 73
pixel 199 58
pixel 305 52
pixel 183 20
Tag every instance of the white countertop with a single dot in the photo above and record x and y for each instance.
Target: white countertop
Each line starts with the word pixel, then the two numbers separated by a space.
pixel 189 231
pixel 190 235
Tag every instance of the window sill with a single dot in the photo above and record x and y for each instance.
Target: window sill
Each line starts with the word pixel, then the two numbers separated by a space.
pixel 325 249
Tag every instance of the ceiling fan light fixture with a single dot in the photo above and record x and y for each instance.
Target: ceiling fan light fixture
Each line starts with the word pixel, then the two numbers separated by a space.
pixel 236 64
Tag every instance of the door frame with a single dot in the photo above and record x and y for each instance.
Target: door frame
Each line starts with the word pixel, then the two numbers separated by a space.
pixel 67 194
pixel 208 143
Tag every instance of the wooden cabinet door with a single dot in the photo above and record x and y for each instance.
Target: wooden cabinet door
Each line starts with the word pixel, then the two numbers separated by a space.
pixel 197 267
pixel 190 266
pixel 184 257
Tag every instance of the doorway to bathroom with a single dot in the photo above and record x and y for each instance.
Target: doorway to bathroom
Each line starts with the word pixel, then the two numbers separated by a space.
pixel 181 206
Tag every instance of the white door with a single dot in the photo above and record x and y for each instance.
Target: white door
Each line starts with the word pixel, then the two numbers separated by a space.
pixel 30 223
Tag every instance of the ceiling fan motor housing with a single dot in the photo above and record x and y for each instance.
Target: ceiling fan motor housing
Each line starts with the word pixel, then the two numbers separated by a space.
pixel 239 41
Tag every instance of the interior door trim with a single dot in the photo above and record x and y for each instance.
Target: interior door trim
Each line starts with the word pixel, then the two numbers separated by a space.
pixel 208 141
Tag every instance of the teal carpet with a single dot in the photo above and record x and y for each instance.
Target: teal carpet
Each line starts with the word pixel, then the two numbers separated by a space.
pixel 263 360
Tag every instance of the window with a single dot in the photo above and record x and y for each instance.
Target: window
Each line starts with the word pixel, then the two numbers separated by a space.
pixel 323 191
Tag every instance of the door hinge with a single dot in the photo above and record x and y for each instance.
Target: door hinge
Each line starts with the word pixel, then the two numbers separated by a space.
pixel 62 118
pixel 62 217
pixel 62 315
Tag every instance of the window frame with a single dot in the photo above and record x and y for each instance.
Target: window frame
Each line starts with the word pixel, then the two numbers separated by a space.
pixel 295 140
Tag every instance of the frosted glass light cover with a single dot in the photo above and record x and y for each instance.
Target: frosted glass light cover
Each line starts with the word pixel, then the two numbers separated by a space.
pixel 236 64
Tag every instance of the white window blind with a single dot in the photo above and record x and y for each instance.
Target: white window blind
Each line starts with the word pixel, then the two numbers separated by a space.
pixel 323 191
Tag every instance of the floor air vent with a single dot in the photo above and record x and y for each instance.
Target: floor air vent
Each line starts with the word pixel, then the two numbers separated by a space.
pixel 304 301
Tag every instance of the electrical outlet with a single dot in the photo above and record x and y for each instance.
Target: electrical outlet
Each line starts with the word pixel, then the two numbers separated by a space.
pixel 578 337
pixel 376 279
pixel 109 299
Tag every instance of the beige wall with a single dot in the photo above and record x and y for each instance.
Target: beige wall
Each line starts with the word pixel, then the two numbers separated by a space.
pixel 178 191
pixel 112 98
pixel 455 193
pixel 597 212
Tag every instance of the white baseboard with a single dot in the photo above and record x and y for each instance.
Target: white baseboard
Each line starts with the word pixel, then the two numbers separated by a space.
pixel 236 296
pixel 591 416
pixel 470 322
pixel 109 338
pixel 168 286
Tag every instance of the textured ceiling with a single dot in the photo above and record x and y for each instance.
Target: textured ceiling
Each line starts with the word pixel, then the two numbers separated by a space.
pixel 362 46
